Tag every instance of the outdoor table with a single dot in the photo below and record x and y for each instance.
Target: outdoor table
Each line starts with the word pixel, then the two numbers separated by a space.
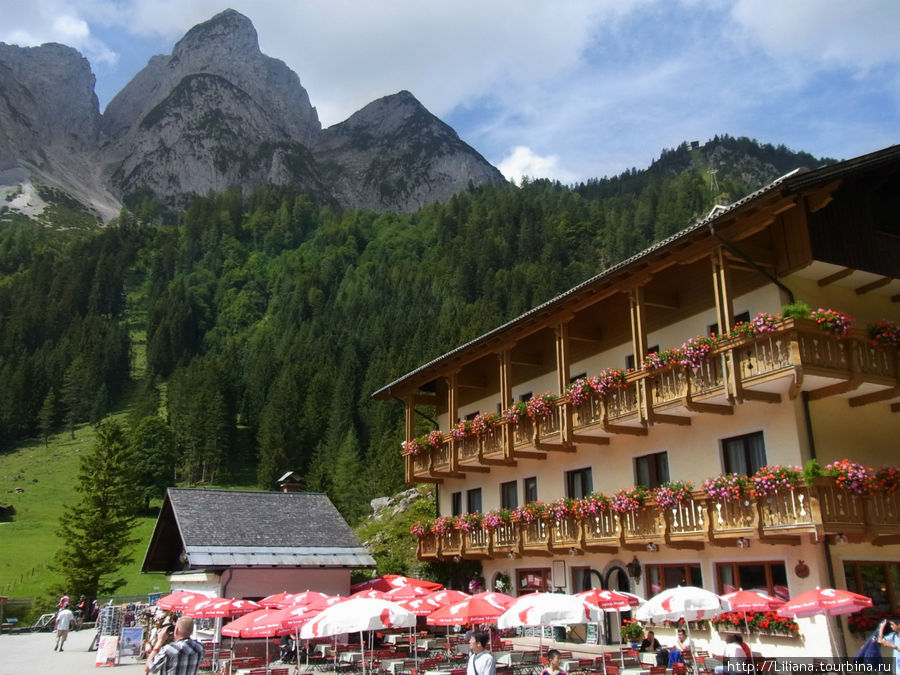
pixel 393 665
pixel 323 649
pixel 429 643
pixel 509 658
pixel 394 638
pixel 350 657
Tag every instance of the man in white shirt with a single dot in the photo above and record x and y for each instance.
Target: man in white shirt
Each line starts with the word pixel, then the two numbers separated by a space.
pixel 64 621
pixel 481 662
pixel 892 640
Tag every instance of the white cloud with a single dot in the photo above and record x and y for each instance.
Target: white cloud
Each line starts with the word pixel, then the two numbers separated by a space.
pixel 523 161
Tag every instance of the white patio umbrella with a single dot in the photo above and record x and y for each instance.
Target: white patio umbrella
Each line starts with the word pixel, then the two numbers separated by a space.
pixel 611 601
pixel 683 602
pixel 358 615
pixel 541 609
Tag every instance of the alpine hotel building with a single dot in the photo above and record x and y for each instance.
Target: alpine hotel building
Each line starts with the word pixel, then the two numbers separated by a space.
pixel 551 423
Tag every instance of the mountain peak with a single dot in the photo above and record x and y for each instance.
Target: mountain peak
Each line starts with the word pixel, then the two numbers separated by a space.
pixel 227 32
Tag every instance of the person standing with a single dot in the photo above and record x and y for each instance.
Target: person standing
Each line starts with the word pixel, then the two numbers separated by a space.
pixel 481 662
pixel 176 652
pixel 892 640
pixel 553 661
pixel 64 621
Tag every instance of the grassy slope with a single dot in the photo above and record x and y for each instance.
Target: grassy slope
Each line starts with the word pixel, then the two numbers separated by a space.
pixel 47 476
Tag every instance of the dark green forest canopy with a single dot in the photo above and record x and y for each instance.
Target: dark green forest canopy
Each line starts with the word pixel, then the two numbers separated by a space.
pixel 271 320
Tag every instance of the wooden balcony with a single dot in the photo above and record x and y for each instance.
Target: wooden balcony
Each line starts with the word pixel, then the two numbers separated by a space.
pixel 820 510
pixel 796 357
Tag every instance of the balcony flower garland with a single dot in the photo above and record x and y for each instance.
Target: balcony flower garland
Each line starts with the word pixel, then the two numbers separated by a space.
pixel 656 360
pixel 609 379
pixel 593 504
pixel 832 321
pixel 415 446
pixel 669 495
pixel 629 500
pixel 484 422
pixel 435 439
pixel 468 522
pixel 462 429
pixel 563 508
pixel 884 334
pixel 727 487
pixel 761 324
pixel 496 518
pixel 443 525
pixel 580 390
pixel 516 412
pixel 420 528
pixel 850 476
pixel 769 479
pixel 540 404
pixel 886 480
pixel 530 512
pixel 754 622
pixel 695 352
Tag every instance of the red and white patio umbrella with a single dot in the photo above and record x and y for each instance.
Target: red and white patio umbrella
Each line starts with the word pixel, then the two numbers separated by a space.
pixel 370 594
pixel 541 609
pixel 221 607
pixel 278 600
pixel 752 601
pixel 313 598
pixel 255 624
pixel 446 596
pixel 479 608
pixel 388 582
pixel 610 601
pixel 419 606
pixel 178 601
pixel 827 601
pixel 406 593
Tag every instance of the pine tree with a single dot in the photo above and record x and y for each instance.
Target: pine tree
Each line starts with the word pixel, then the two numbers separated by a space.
pixel 155 454
pixel 47 416
pixel 96 531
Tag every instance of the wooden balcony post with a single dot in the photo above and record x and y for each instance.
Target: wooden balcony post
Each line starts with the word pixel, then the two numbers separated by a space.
pixel 453 416
pixel 410 430
pixel 505 358
pixel 562 381
pixel 725 317
pixel 639 345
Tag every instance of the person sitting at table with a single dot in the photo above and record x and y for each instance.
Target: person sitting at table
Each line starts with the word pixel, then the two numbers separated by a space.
pixel 553 660
pixel 735 652
pixel 669 655
pixel 650 643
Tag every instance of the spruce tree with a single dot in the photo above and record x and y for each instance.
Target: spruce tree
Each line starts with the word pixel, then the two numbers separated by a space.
pixel 97 530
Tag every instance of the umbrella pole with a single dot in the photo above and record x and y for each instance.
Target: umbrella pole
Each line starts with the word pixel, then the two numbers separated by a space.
pixel 362 647
pixel 693 655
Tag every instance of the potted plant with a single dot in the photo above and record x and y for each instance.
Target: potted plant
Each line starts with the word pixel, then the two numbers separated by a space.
pixel 633 632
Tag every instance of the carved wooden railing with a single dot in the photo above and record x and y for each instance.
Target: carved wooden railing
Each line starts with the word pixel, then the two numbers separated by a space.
pixel 688 521
pixel 601 530
pixel 643 526
pixel 622 402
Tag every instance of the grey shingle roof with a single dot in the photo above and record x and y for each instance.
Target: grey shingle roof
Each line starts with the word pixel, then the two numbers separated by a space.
pixel 279 519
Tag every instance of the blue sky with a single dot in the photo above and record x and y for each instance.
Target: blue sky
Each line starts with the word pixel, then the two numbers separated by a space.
pixel 566 90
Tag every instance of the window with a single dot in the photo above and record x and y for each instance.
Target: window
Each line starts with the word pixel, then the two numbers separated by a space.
pixel 768 576
pixel 533 580
pixel 579 483
pixel 529 490
pixel 575 378
pixel 661 577
pixel 471 416
pixel 877 580
pixel 652 470
pixel 509 498
pixel 581 579
pixel 629 360
pixel 744 454
pixel 743 317
pixel 473 500
pixel 456 503
pixel 525 397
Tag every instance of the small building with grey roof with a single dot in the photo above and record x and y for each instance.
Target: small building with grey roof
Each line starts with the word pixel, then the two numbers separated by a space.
pixel 252 544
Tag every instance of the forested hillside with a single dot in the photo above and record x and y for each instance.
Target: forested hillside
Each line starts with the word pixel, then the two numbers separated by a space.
pixel 269 321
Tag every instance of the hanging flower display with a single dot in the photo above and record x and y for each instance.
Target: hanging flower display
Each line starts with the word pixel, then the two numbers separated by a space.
pixel 627 500
pixel 496 518
pixel 609 379
pixel 563 508
pixel 420 528
pixel 851 476
pixel 540 404
pixel 696 351
pixel 443 524
pixel 468 522
pixel 770 479
pixel 516 412
pixel 580 390
pixel 886 480
pixel 727 487
pixel 593 504
pixel 531 511
pixel 884 334
pixel 834 322
pixel 484 422
pixel 413 447
pixel 672 494
pixel 462 429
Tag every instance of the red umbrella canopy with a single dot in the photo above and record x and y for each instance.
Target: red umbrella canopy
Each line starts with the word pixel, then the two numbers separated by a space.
pixel 446 597
pixel 388 582
pixel 419 606
pixel 480 608
pixel 278 600
pixel 224 607
pixel 406 593
pixel 610 601
pixel 371 594
pixel 752 601
pixel 828 601
pixel 311 598
pixel 255 624
pixel 181 600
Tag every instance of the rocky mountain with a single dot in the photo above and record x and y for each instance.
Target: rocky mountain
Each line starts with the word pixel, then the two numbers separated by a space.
pixel 215 113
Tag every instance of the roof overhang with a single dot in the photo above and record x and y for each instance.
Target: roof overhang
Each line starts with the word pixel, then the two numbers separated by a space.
pixel 269 556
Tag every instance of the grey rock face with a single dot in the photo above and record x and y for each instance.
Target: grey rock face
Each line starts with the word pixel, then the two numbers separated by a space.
pixel 395 155
pixel 217 113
